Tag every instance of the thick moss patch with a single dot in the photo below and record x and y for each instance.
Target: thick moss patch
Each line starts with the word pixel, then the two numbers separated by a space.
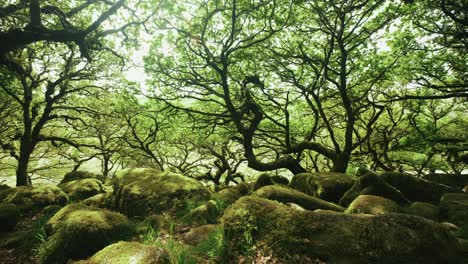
pixel 33 198
pixel 425 210
pixel 326 186
pixel 129 252
pixel 454 208
pixel 371 204
pixel 9 217
pixel 288 195
pixel 335 237
pixel 78 231
pixel 141 192
pixel 416 189
pixel 80 175
pixel 78 190
pixel 371 184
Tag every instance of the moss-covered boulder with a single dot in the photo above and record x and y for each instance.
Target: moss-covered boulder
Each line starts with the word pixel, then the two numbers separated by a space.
pixel 371 184
pixel 9 217
pixel 425 210
pixel 230 194
pixel 371 204
pixel 197 234
pixel 129 252
pixel 285 195
pixel 227 195
pixel 142 192
pixel 77 231
pixel 454 208
pixel 416 189
pixel 80 175
pixel 206 213
pixel 102 200
pixel 278 179
pixel 326 186
pixel 254 222
pixel 29 199
pixel 454 180
pixel 78 190
pixel 263 179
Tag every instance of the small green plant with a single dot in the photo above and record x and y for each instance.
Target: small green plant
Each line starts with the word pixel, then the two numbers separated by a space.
pixel 244 224
pixel 214 246
pixel 150 237
pixel 31 243
pixel 178 253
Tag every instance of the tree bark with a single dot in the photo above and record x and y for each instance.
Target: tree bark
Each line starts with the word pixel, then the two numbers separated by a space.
pixel 22 178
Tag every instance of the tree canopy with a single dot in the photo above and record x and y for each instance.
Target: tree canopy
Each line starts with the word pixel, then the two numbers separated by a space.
pixel 232 86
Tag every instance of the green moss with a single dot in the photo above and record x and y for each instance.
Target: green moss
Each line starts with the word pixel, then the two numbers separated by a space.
pixel 263 179
pixel 370 204
pixel 9 217
pixel 372 184
pixel 244 188
pixel 77 231
pixel 101 200
pixel 337 238
pixel 129 252
pixel 326 186
pixel 140 192
pixel 285 194
pixel 454 208
pixel 80 175
pixel 416 189
pixel 425 210
pixel 81 189
pixel 278 179
pixel 206 213
pixel 31 199
pixel 213 245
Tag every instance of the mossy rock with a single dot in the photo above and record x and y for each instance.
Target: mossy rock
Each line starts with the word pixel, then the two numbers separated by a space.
pixel 244 188
pixel 285 195
pixel 30 199
pixel 263 179
pixel 453 180
pixel 206 213
pixel 227 196
pixel 9 217
pixel 101 200
pixel 78 190
pixel 197 234
pixel 454 208
pixel 77 231
pixel 335 237
pixel 425 210
pixel 416 189
pixel 80 175
pixel 142 192
pixel 371 184
pixel 326 186
pixel 371 204
pixel 129 252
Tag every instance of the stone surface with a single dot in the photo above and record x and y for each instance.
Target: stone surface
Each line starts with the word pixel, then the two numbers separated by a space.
pixel 326 186
pixel 371 204
pixel 142 192
pixel 288 195
pixel 77 231
pixel 335 237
